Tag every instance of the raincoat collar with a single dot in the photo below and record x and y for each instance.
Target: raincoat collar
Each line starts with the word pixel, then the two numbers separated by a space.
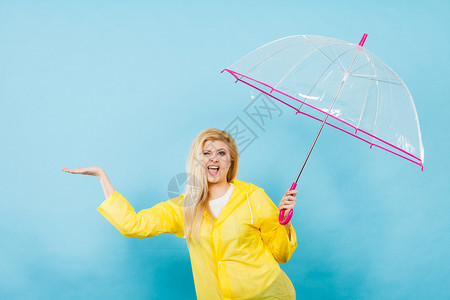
pixel 238 196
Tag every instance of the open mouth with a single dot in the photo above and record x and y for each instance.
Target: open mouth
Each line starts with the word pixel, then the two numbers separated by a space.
pixel 213 170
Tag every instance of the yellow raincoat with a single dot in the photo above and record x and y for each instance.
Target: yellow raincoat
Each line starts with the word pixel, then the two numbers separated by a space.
pixel 238 259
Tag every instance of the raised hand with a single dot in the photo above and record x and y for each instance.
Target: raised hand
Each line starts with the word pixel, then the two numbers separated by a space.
pixel 93 171
pixel 288 201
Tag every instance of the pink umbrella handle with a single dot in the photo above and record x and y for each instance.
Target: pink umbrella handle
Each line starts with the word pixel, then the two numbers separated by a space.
pixel 291 212
pixel 281 216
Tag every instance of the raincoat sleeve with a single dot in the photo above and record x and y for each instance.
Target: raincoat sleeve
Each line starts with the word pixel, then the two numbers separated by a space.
pixel 273 233
pixel 164 217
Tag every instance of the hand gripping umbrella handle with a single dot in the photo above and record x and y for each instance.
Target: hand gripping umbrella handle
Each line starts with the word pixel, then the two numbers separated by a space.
pixel 291 212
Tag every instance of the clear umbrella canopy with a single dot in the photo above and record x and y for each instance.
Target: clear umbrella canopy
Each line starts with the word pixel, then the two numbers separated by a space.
pixel 319 76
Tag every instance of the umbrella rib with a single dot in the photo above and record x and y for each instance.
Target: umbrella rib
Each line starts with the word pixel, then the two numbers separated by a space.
pixel 303 58
pixel 301 105
pixel 294 44
pixel 291 69
pixel 378 99
pixel 415 114
pixel 364 104
pixel 267 58
pixel 332 61
pixel 263 46
pixel 322 76
pixel 343 68
pixel 373 77
pixel 313 87
pixel 402 143
pixel 359 68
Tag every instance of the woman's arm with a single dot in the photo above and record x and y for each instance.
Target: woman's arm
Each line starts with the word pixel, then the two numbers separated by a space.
pixel 287 226
pixel 281 245
pixel 106 184
pixel 164 217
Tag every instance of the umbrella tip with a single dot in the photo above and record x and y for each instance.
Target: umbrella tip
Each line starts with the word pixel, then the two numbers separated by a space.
pixel 363 40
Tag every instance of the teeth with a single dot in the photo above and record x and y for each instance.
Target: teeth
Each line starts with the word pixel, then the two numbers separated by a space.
pixel 213 168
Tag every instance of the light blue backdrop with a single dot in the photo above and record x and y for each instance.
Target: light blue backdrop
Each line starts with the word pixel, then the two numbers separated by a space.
pixel 127 85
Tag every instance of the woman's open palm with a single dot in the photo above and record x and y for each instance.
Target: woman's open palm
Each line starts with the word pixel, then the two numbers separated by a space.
pixel 94 171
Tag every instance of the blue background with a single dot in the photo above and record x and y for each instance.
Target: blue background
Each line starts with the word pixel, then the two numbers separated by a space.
pixel 127 85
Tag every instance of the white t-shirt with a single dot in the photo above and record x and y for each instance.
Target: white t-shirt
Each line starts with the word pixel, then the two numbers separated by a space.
pixel 217 204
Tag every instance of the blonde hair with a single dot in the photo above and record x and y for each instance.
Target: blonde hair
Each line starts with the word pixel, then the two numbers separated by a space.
pixel 196 191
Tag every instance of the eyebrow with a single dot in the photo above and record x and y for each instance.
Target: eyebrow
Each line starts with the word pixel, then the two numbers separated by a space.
pixel 217 149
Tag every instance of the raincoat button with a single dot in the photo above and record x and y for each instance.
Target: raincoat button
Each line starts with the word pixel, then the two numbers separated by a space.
pixel 220 262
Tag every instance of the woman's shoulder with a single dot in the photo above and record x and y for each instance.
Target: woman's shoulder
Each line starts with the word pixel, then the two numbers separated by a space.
pixel 177 201
pixel 246 187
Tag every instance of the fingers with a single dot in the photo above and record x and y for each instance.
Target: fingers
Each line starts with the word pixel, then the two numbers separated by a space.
pixel 286 213
pixel 72 171
pixel 286 207
pixel 288 202
pixel 291 193
pixel 290 199
pixel 84 171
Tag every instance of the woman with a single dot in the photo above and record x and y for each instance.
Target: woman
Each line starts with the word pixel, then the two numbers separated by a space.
pixel 231 227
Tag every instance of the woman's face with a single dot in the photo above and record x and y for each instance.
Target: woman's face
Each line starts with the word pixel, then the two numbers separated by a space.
pixel 217 161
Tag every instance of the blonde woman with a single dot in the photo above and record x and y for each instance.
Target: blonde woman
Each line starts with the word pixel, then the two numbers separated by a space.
pixel 231 227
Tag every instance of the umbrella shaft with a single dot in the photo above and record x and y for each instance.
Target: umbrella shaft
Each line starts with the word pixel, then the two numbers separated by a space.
pixel 344 79
pixel 321 127
pixel 325 120
pixel 312 147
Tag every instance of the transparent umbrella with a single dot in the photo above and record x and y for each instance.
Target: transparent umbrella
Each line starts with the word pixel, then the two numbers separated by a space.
pixel 340 84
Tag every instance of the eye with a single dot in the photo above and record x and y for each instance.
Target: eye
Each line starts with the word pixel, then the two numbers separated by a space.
pixel 222 152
